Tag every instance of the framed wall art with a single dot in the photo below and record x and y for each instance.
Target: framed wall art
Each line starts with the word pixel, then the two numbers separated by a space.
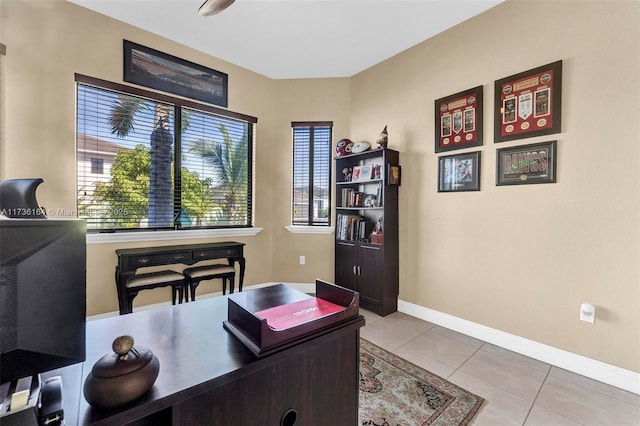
pixel 460 172
pixel 157 70
pixel 529 103
pixel 361 173
pixel 526 164
pixel 394 175
pixel 458 120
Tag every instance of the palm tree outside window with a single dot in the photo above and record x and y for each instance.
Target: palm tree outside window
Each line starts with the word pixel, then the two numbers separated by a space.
pixel 168 163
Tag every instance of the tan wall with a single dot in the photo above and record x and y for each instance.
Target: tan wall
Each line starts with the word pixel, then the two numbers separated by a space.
pixel 518 259
pixel 47 42
pixel 303 100
pixel 521 259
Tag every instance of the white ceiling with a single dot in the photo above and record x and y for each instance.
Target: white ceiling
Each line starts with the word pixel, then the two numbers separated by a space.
pixel 296 38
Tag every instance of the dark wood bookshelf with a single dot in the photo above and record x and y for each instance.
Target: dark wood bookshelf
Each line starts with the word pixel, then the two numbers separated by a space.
pixel 363 265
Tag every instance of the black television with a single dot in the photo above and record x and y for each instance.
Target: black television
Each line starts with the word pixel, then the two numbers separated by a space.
pixel 42 295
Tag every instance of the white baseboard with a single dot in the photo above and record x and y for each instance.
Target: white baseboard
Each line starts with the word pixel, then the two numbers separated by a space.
pixel 597 370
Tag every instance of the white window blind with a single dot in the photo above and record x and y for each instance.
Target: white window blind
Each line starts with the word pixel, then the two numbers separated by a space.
pixel 165 165
pixel 311 173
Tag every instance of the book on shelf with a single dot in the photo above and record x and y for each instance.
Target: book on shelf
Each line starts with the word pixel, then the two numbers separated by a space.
pixel 379 194
pixel 352 198
pixel 353 227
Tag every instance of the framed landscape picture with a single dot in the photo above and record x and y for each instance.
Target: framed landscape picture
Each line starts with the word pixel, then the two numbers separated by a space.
pixel 459 172
pixel 458 120
pixel 157 70
pixel 529 103
pixel 526 164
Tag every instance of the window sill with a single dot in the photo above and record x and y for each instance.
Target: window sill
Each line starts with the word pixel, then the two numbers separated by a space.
pixel 126 237
pixel 310 229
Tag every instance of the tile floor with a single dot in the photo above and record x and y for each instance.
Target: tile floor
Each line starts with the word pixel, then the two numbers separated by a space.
pixel 517 390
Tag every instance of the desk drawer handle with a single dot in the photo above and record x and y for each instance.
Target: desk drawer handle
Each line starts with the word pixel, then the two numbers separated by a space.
pixel 144 260
pixel 179 257
pixel 202 254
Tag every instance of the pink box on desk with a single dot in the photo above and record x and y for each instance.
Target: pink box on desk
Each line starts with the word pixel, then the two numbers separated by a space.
pixel 276 317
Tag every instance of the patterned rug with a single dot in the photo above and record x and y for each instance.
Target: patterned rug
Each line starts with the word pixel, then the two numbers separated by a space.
pixel 395 392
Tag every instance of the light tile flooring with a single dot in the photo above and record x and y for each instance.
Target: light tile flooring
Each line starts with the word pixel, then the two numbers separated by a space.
pixel 517 390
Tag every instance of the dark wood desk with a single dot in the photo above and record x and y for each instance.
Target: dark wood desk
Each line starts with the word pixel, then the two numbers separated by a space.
pixel 129 260
pixel 208 377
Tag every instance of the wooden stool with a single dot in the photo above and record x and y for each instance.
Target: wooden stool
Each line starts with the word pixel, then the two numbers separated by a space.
pixel 151 280
pixel 200 273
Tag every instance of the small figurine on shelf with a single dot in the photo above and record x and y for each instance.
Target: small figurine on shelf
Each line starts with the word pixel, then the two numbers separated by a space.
pixel 378 228
pixel 377 236
pixel 346 172
pixel 384 138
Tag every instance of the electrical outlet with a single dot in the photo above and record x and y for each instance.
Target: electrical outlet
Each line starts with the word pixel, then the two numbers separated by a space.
pixel 588 313
pixel 302 260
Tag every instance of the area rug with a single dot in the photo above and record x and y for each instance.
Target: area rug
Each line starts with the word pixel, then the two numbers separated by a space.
pixel 395 392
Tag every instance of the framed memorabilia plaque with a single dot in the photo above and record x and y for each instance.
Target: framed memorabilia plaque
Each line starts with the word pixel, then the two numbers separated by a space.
pixel 526 164
pixel 157 70
pixel 458 120
pixel 529 103
pixel 459 172
pixel 394 175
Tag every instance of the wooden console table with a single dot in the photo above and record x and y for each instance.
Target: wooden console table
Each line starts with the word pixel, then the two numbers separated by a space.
pixel 129 260
pixel 208 377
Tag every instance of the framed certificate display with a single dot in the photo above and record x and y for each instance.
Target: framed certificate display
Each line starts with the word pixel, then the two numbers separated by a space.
pixel 529 103
pixel 458 120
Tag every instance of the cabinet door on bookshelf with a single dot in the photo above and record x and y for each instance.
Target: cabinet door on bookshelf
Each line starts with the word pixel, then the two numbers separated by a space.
pixel 346 261
pixel 371 274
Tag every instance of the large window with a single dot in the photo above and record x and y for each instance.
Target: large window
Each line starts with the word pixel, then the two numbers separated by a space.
pixel 311 173
pixel 166 163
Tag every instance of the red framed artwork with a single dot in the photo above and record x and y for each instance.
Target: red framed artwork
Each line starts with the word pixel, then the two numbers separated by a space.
pixel 458 120
pixel 529 103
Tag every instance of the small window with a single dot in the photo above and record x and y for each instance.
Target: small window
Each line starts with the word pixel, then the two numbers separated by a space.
pixel 311 173
pixel 97 166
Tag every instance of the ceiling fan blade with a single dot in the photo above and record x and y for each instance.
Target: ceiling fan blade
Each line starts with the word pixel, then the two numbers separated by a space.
pixel 213 7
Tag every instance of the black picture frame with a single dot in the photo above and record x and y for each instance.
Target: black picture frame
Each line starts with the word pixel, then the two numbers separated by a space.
pixel 459 172
pixel 458 120
pixel 151 68
pixel 528 104
pixel 394 175
pixel 534 163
